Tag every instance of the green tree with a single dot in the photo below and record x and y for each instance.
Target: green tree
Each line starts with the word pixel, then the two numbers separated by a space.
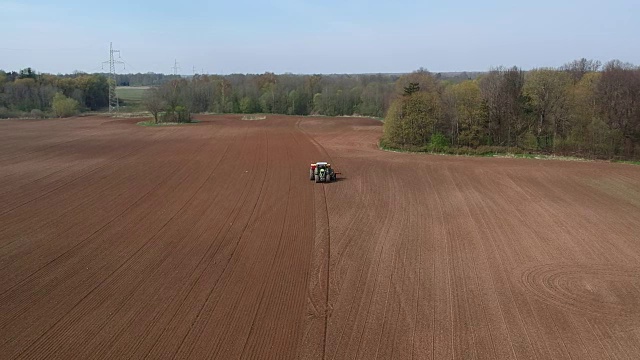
pixel 467 113
pixel 93 91
pixel 583 113
pixel 372 100
pixel 318 104
pixel 411 88
pixel 548 92
pixel 27 73
pixel 298 102
pixel 412 120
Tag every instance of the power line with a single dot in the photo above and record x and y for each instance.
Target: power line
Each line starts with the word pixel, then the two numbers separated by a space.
pixel 113 99
pixel 129 65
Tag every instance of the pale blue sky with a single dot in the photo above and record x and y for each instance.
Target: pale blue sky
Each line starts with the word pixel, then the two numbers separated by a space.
pixel 349 36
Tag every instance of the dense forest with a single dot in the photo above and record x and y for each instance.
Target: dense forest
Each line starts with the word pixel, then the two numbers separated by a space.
pixel 582 108
pixel 370 95
pixel 330 95
pixel 29 94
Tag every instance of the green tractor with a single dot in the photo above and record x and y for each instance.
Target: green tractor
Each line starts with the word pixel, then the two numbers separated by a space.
pixel 322 172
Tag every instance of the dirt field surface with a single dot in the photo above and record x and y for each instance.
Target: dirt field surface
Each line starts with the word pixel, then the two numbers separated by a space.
pixel 209 241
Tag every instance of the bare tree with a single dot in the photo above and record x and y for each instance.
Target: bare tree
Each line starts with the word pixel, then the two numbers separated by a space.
pixel 154 103
pixel 618 94
pixel 578 68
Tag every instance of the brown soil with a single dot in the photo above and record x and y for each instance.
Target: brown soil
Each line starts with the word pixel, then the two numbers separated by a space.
pixel 209 241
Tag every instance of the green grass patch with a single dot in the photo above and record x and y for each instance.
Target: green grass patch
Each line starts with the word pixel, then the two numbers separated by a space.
pixel 627 162
pixel 480 151
pixel 130 97
pixel 152 123
pixel 132 94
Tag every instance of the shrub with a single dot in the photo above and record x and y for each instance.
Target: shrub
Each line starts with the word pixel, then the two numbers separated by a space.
pixel 530 142
pixel 179 114
pixel 184 115
pixel 485 150
pixel 5 113
pixel 37 114
pixel 438 143
pixel 64 106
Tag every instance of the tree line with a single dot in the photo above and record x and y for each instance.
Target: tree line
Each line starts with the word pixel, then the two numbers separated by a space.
pixel 330 95
pixel 27 93
pixel 582 108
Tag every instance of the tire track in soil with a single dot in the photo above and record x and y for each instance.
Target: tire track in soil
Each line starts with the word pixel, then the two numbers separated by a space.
pixel 319 277
pixel 80 338
pixel 19 175
pixel 494 311
pixel 434 257
pixel 43 149
pixel 11 182
pixel 201 318
pixel 35 235
pixel 240 345
pixel 521 322
pixel 329 284
pixel 195 274
pixel 327 300
pixel 323 237
pixel 212 346
pixel 12 207
pixel 34 229
pixel 182 324
pixel 354 344
pixel 67 255
pixel 252 345
pixel 278 305
pixel 234 295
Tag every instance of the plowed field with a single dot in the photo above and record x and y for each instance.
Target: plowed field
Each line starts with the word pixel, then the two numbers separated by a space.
pixel 209 241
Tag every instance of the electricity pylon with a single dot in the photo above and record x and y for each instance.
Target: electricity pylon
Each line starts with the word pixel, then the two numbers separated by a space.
pixel 114 106
pixel 175 67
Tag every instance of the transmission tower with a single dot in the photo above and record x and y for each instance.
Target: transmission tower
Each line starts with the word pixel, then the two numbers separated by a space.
pixel 113 99
pixel 175 67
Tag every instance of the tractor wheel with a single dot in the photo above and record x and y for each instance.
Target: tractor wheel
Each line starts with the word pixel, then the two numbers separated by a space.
pixel 317 178
pixel 310 174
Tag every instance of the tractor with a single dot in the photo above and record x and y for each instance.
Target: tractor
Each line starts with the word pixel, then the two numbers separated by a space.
pixel 322 172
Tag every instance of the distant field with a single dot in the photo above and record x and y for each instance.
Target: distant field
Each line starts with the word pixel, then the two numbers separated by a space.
pixel 131 93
